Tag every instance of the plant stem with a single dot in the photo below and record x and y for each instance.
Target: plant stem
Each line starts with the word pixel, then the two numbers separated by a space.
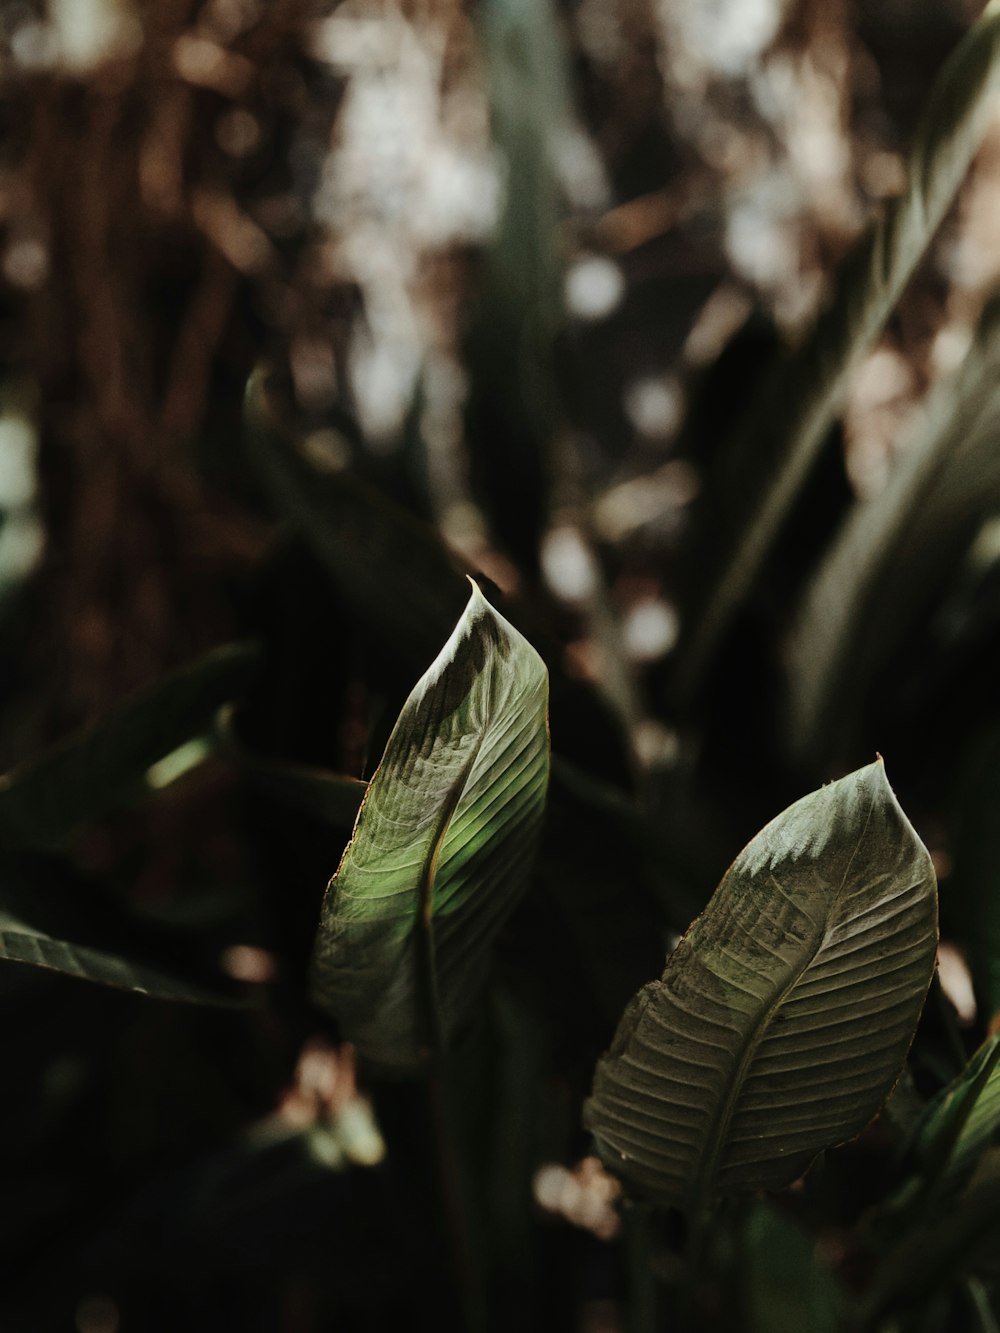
pixel 466 1271
pixel 643 1303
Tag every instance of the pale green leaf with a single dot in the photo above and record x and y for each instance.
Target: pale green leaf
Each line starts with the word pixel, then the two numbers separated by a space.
pixel 784 1015
pixel 441 848
pixel 798 404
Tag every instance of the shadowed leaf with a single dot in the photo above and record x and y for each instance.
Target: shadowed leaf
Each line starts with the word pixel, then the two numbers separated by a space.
pixel 799 402
pixel 896 551
pixel 786 1287
pixel 958 1128
pixel 784 1014
pixel 95 770
pixel 51 919
pixel 329 797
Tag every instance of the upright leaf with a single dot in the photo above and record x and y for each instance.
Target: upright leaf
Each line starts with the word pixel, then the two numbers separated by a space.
pixel 87 775
pixel 958 1128
pixel 976 877
pixel 799 402
pixel 441 847
pixel 784 1014
pixel 785 1285
pixel 895 551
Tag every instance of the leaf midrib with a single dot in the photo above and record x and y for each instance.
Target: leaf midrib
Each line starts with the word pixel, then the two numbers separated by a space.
pixel 699 1192
pixel 702 1184
pixel 426 966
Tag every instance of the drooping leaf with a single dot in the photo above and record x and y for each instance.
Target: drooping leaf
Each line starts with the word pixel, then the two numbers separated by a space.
pixel 52 919
pixel 440 851
pixel 896 551
pixel 93 771
pixel 798 403
pixel 783 1016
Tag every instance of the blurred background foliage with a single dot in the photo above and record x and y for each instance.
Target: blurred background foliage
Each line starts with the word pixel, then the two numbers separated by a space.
pixel 511 275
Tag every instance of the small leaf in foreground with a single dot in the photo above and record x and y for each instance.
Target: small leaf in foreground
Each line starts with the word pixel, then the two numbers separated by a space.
pixel 441 848
pixel 784 1015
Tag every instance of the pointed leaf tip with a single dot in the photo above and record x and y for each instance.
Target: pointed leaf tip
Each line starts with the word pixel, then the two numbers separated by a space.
pixel 784 1014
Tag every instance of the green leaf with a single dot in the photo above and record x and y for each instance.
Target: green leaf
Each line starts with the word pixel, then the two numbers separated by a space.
pixel 393 570
pixel 784 1015
pixel 895 552
pixel 52 919
pixel 786 1285
pixel 798 403
pixel 99 768
pixel 441 848
pixel 931 1258
pixel 331 798
pixel 976 877
pixel 958 1128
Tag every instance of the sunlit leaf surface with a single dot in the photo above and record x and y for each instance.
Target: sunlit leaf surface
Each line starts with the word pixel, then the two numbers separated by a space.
pixel 441 848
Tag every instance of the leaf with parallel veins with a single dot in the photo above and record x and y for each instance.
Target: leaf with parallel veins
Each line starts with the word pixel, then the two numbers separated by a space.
pixel 784 1015
pixel 441 848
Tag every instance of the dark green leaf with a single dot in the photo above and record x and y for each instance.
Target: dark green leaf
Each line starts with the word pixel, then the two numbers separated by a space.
pixel 392 569
pixel 784 1015
pixel 798 404
pixel 96 770
pixel 895 551
pixel 329 797
pixel 51 919
pixel 786 1286
pixel 957 1129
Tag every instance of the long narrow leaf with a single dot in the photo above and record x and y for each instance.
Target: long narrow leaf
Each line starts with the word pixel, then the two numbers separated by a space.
pixel 441 848
pixel 894 551
pixel 329 797
pixel 784 1014
pixel 957 1129
pixel 93 771
pixel 798 404
pixel 51 919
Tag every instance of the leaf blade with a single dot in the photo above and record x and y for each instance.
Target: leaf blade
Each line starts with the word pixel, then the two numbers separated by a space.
pixel 751 1005
pixel 441 846
pixel 799 402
